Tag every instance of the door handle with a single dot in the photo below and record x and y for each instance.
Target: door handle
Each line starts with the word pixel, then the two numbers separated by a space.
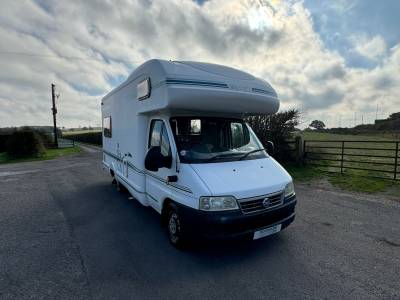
pixel 172 178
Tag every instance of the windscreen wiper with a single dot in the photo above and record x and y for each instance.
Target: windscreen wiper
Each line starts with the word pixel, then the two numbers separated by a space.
pixel 250 152
pixel 221 155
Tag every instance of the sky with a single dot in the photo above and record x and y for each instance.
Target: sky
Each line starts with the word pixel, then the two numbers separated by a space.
pixel 337 61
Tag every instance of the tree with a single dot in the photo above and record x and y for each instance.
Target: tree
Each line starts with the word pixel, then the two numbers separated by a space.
pixel 395 116
pixel 276 128
pixel 317 124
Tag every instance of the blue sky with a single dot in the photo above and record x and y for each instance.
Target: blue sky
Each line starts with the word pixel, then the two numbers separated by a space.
pixel 334 60
pixel 341 23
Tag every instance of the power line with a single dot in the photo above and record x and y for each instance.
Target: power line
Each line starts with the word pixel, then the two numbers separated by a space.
pixel 61 56
pixel 95 58
pixel 47 55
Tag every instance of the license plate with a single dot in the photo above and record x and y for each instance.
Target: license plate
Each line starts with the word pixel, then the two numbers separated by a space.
pixel 267 231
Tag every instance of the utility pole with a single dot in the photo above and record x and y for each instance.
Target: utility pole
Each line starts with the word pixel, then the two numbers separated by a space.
pixel 355 119
pixel 54 110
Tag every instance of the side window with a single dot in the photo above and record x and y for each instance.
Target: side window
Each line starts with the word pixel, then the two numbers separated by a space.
pixel 195 126
pixel 165 147
pixel 238 135
pixel 107 127
pixel 155 133
pixel 159 137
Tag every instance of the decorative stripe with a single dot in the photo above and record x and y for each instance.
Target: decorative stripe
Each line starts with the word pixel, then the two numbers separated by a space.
pixel 143 172
pixel 112 155
pixel 210 84
pixel 196 82
pixel 133 167
pixel 180 187
pixel 152 197
pixel 140 192
pixel 175 185
pixel 256 90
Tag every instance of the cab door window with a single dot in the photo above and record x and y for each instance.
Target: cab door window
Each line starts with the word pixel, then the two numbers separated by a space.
pixel 155 133
pixel 165 147
pixel 159 137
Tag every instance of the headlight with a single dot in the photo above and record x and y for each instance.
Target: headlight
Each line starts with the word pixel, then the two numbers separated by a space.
pixel 289 189
pixel 217 203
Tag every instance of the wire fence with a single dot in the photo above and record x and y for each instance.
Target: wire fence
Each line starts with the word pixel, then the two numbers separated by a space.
pixel 364 158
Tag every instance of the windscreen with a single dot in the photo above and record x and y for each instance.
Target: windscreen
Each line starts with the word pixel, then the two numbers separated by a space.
pixel 209 139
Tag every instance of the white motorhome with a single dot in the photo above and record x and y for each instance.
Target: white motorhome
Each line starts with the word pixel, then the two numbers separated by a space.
pixel 174 137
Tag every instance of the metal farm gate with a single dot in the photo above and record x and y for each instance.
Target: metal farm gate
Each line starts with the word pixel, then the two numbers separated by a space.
pixel 364 158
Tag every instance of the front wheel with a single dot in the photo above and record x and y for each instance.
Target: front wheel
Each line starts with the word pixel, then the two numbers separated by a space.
pixel 175 228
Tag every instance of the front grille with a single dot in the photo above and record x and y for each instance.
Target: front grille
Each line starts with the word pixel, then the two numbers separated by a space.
pixel 256 204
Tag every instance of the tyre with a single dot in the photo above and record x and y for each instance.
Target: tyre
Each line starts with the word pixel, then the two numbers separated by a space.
pixel 175 227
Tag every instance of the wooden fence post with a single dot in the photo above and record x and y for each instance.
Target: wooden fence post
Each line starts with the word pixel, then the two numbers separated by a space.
pixel 299 142
pixel 341 161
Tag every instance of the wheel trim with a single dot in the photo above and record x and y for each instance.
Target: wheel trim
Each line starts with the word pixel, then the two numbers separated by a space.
pixel 174 228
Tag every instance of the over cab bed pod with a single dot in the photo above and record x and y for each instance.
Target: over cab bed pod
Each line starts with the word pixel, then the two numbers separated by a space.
pixel 193 86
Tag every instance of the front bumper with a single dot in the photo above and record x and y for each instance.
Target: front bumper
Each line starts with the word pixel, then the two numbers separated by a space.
pixel 234 223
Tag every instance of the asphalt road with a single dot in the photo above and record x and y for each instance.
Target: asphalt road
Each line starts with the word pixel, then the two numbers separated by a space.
pixel 65 232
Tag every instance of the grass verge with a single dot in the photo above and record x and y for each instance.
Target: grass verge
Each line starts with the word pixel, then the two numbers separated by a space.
pixel 48 154
pixel 304 173
pixel 347 182
pixel 363 184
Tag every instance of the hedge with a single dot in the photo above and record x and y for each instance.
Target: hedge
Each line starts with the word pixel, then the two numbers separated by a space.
pixel 94 138
pixel 24 143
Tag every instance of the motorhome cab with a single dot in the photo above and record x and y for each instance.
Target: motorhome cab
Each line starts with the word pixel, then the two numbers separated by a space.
pixel 174 136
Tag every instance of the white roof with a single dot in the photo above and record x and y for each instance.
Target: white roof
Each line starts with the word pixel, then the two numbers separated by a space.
pixel 197 86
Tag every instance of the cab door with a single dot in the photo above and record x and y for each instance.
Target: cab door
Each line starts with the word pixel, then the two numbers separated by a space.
pixel 156 183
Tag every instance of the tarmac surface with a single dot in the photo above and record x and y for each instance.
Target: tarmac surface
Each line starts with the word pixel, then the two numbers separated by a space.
pixel 65 232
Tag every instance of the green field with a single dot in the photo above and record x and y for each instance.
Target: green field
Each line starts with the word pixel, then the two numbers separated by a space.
pixel 322 136
pixel 48 154
pixel 68 133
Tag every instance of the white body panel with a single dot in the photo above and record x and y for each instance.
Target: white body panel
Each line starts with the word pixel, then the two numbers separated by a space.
pixel 186 88
pixel 243 179
pixel 189 86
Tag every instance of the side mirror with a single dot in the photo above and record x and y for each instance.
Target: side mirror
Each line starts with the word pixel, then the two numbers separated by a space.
pixel 154 160
pixel 270 148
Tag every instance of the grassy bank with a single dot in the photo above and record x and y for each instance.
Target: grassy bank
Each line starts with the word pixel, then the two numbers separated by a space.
pixel 353 183
pixel 48 154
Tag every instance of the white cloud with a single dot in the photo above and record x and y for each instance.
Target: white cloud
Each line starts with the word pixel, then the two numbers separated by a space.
pixel 342 6
pixel 372 48
pixel 276 42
